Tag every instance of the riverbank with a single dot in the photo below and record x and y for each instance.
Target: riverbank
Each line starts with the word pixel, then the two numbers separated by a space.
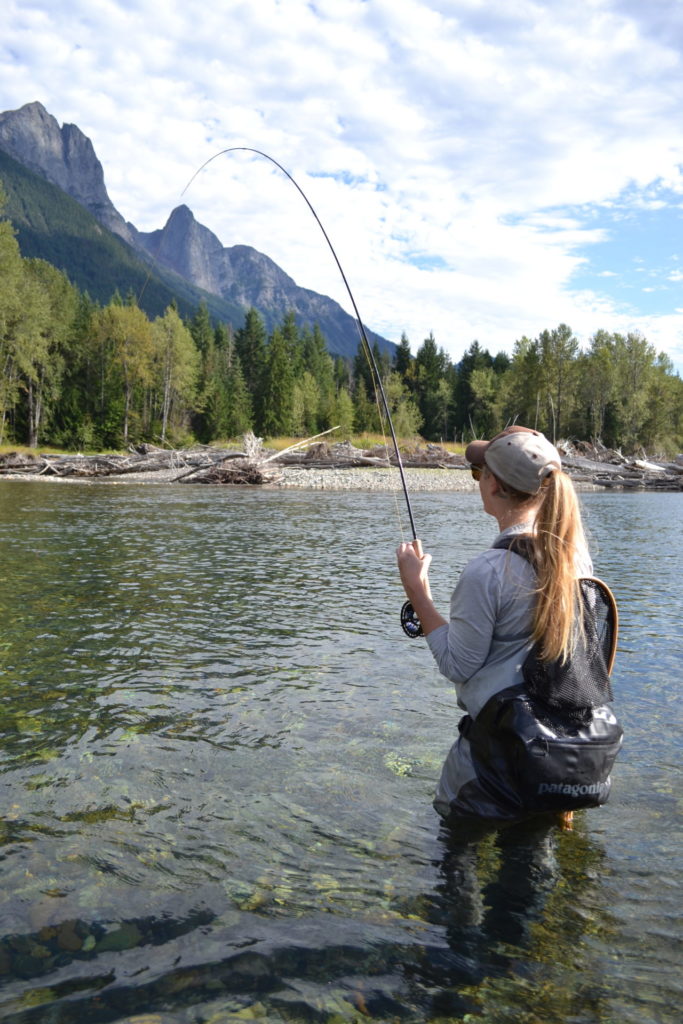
pixel 322 467
pixel 353 479
pixel 333 479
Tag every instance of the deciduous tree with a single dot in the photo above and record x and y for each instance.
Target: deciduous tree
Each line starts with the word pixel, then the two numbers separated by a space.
pixel 126 333
pixel 558 371
pixel 177 367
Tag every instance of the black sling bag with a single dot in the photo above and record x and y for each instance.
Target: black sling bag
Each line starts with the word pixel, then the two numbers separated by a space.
pixel 549 743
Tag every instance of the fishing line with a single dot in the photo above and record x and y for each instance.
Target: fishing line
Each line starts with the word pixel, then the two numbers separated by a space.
pixel 409 621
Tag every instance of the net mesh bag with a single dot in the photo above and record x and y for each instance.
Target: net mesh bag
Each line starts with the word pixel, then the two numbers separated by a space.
pixel 582 682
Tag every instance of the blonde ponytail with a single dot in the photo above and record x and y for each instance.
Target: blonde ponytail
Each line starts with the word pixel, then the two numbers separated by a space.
pixel 558 541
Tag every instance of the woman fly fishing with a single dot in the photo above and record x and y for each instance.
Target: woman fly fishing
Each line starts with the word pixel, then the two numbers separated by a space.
pixel 521 593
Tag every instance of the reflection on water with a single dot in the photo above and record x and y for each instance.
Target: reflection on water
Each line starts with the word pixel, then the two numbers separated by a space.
pixel 217 757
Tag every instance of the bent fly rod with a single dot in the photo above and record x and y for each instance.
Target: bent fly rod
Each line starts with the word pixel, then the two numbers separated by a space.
pixel 409 621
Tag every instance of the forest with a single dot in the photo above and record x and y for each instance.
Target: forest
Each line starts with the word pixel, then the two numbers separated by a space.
pixel 80 375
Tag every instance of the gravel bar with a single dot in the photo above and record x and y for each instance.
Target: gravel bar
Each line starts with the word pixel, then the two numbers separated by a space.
pixel 333 479
pixel 377 479
pixel 294 477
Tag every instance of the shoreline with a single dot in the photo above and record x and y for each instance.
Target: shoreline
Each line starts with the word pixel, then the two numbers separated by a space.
pixel 293 477
pixel 385 480
pixel 324 467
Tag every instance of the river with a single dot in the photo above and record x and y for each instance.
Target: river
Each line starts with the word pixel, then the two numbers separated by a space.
pixel 218 753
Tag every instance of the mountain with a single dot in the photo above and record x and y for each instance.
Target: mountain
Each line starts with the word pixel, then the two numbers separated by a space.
pixel 63 156
pixel 50 225
pixel 247 277
pixel 58 202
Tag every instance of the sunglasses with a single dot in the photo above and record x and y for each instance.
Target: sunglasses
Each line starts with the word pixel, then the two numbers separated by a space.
pixel 476 472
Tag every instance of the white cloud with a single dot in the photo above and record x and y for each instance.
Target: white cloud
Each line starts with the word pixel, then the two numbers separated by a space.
pixel 458 131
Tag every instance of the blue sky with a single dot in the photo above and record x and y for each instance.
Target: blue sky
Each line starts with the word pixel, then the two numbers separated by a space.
pixel 640 260
pixel 484 168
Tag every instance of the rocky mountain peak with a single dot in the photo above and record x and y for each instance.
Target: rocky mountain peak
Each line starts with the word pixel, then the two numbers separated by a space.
pixel 64 156
pixel 188 248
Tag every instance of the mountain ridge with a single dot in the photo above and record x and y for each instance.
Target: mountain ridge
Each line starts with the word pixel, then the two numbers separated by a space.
pixel 183 255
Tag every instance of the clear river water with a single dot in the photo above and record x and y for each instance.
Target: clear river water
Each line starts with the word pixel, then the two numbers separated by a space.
pixel 218 753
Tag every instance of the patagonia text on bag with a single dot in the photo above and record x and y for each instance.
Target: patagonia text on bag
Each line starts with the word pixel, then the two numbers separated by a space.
pixel 550 743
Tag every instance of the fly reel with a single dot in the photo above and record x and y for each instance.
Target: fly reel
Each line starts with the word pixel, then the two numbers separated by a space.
pixel 410 623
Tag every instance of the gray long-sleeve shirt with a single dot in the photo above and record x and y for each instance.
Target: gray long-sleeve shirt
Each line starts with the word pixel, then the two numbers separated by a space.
pixel 483 646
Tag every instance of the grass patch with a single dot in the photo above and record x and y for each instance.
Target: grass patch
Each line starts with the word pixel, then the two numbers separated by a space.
pixel 366 440
pixel 23 449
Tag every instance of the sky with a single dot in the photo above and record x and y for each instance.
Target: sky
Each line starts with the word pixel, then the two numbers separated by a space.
pixel 485 169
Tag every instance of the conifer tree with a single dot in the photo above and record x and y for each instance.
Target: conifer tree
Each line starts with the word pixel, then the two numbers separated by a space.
pixel 223 337
pixel 75 415
pixel 213 409
pixel 403 360
pixel 318 361
pixel 520 394
pixel 405 414
pixel 292 338
pixel 665 406
pixel 475 358
pixel 382 362
pixel 305 406
pixel 484 388
pixel 634 360
pixel 343 374
pixel 362 370
pixel 365 416
pixel 201 328
pixel 278 391
pixel 239 416
pixel 250 346
pixel 596 381
pixel 430 370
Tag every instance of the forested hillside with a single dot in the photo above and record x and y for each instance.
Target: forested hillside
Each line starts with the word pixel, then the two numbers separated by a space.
pixel 85 375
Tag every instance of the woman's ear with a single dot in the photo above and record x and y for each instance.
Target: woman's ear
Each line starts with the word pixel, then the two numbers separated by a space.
pixel 496 487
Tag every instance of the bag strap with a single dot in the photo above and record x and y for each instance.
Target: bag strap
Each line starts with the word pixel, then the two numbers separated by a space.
pixel 521 543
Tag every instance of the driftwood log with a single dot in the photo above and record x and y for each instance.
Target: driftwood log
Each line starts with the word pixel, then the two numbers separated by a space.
pixel 148 461
pixel 254 464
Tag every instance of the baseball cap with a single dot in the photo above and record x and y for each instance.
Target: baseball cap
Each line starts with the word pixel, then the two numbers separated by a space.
pixel 518 456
